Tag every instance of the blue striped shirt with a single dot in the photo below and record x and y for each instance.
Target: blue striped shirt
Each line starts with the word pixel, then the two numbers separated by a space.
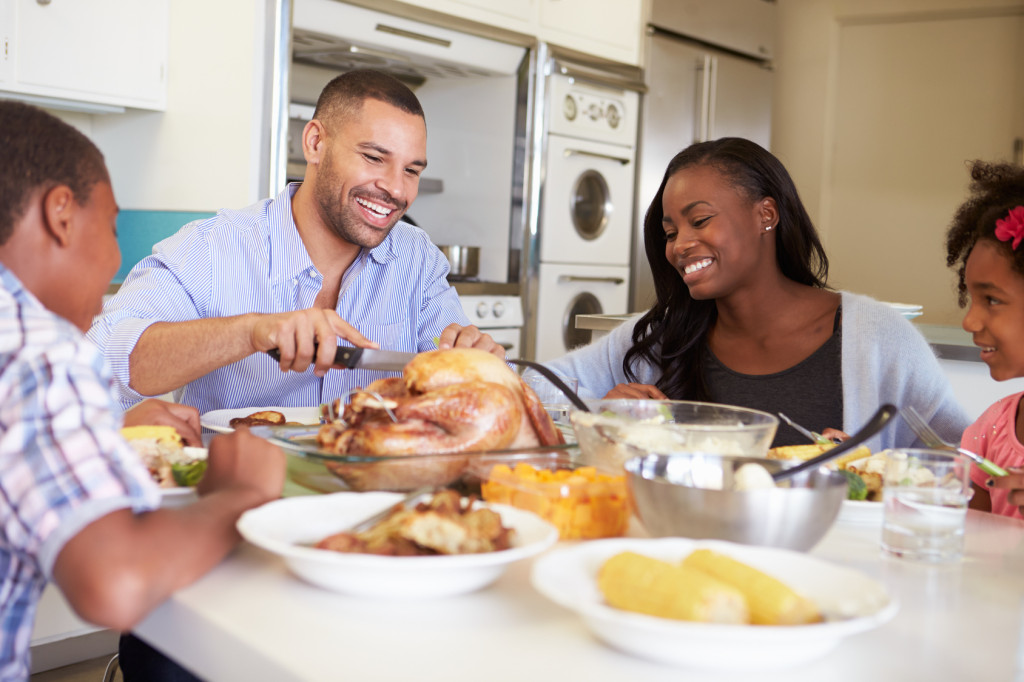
pixel 253 261
pixel 63 463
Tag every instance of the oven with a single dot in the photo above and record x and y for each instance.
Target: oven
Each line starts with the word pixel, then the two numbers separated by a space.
pixel 500 315
pixel 586 206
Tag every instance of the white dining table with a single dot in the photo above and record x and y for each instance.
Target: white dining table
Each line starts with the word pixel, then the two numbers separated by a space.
pixel 251 619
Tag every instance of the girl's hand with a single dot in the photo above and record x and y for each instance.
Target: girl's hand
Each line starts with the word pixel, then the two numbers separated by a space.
pixel 1013 482
pixel 636 392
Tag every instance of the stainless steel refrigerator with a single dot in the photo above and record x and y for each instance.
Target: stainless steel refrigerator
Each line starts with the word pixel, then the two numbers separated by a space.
pixel 708 75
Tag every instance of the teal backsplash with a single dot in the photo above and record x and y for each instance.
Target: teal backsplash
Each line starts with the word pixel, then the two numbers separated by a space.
pixel 138 231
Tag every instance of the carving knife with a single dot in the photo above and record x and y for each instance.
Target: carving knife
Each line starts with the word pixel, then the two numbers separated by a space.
pixel 347 357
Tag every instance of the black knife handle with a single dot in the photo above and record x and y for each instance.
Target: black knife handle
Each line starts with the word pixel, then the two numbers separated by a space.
pixel 345 356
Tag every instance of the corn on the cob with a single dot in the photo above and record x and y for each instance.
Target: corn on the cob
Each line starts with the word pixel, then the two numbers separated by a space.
pixel 639 583
pixel 770 601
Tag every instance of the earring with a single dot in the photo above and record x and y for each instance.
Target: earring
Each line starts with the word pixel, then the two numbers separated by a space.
pixel 768 228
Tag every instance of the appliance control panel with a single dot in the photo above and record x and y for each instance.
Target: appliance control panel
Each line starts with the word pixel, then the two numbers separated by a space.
pixel 583 109
pixel 487 312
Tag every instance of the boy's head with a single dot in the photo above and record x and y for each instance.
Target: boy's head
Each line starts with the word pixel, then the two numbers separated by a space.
pixel 58 231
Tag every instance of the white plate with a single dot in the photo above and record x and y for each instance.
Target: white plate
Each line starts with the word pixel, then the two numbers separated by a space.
pixel 860 511
pixel 220 420
pixel 284 526
pixel 851 601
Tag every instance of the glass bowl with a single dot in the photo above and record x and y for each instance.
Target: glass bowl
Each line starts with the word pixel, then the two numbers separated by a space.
pixel 616 430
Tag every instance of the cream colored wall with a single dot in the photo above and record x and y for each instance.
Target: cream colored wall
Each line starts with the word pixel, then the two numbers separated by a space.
pixel 200 154
pixel 877 146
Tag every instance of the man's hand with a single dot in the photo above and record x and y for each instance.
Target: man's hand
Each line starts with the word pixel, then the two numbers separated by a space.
pixel 295 333
pixel 457 336
pixel 183 418
pixel 636 392
pixel 242 461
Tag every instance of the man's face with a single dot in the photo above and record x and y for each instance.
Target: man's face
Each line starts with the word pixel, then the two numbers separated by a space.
pixel 95 257
pixel 369 172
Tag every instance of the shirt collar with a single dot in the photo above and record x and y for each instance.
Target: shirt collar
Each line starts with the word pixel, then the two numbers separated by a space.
pixel 13 286
pixel 288 255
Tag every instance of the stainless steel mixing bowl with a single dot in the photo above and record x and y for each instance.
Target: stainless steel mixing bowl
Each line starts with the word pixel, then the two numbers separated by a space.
pixel 674 495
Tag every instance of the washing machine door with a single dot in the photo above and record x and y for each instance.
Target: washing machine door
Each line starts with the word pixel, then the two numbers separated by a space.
pixel 583 304
pixel 590 205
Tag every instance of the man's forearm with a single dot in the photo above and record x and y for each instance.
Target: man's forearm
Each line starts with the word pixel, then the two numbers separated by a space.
pixel 169 355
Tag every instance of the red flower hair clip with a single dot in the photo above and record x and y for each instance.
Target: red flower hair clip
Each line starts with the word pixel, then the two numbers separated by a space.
pixel 1011 227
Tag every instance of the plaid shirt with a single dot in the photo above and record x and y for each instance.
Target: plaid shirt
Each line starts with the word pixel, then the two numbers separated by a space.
pixel 63 463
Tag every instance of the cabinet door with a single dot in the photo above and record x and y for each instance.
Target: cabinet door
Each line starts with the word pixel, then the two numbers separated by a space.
pixel 611 30
pixel 108 51
pixel 523 10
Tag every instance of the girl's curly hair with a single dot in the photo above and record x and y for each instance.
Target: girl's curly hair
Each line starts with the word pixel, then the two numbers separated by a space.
pixel 995 189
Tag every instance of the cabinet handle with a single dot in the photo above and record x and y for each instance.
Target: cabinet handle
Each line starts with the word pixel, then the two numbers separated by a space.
pixel 42 2
pixel 402 33
pixel 609 157
pixel 577 278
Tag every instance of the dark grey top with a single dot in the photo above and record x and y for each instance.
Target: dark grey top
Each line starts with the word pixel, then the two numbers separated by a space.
pixel 810 393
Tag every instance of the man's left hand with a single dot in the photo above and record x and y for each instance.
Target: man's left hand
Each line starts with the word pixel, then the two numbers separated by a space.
pixel 153 412
pixel 457 336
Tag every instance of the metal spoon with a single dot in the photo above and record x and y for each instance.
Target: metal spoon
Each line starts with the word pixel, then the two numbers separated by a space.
pixel 875 424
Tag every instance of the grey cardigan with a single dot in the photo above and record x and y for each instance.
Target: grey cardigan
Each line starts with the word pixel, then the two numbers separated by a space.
pixel 884 360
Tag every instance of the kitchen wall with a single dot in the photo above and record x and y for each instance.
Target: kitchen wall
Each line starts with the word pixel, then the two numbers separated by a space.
pixel 878 104
pixel 204 151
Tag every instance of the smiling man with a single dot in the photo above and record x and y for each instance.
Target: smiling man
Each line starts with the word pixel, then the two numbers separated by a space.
pixel 328 259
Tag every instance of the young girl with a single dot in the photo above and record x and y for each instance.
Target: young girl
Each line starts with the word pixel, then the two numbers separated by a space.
pixel 985 244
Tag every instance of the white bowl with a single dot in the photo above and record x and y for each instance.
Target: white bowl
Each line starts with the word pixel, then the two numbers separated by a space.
pixel 850 601
pixel 285 527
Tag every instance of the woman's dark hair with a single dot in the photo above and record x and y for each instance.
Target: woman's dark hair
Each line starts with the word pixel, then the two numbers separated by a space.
pixel 995 189
pixel 38 150
pixel 672 334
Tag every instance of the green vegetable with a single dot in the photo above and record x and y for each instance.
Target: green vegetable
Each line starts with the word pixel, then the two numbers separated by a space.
pixel 665 413
pixel 437 340
pixel 857 489
pixel 187 474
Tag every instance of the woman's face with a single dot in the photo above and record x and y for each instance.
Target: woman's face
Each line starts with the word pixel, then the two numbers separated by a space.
pixel 995 317
pixel 715 237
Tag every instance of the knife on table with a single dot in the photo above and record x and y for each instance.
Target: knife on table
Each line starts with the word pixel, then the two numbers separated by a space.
pixel 347 357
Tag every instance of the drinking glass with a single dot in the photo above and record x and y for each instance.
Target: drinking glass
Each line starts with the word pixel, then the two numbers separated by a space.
pixel 925 496
pixel 553 399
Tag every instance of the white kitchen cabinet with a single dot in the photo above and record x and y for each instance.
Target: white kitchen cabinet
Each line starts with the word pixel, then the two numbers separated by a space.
pixel 88 55
pixel 611 30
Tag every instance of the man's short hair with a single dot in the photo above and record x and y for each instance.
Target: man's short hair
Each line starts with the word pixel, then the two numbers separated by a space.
pixel 345 95
pixel 38 150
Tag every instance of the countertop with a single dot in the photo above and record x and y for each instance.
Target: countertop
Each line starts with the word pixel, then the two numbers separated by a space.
pixel 949 342
pixel 251 619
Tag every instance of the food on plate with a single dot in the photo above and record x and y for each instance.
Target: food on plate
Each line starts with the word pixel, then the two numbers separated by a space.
pixel 867 467
pixel 705 586
pixel 261 418
pixel 580 502
pixel 164 454
pixel 445 524
pixel 770 600
pixel 446 401
pixel 634 582
pixel 856 487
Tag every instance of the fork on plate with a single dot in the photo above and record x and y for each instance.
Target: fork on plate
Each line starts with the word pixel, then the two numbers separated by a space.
pixel 927 434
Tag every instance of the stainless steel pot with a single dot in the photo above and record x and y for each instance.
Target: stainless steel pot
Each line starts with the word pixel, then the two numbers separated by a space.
pixel 464 260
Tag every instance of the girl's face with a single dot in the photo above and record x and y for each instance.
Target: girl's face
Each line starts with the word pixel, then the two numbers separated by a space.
pixel 715 237
pixel 995 316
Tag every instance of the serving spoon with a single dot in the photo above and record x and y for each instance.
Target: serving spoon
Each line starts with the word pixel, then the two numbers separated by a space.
pixel 882 417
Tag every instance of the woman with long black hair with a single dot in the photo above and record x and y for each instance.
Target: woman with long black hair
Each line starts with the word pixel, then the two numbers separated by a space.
pixel 744 315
